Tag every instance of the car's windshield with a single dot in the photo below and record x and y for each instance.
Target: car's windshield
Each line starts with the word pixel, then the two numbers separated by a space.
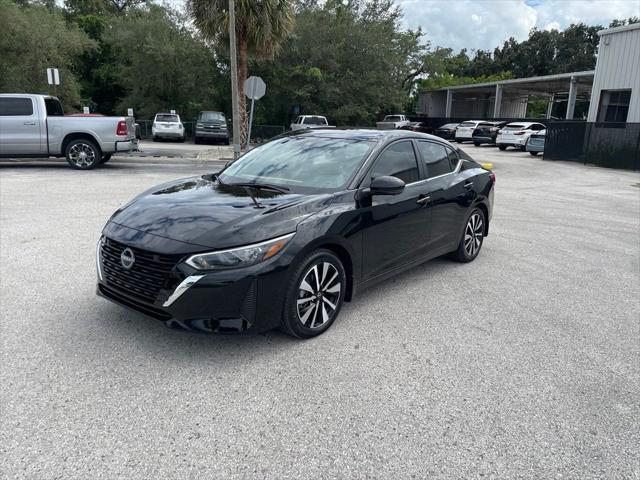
pixel 316 163
pixel 211 117
pixel 513 126
pixel 467 124
pixel 167 118
pixel 450 125
pixel 315 121
pixel 392 118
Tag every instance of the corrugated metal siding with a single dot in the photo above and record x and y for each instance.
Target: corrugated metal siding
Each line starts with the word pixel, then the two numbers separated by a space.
pixel 618 67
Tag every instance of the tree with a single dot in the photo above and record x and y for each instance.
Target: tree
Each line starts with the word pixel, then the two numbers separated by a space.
pixel 261 28
pixel 34 38
pixel 162 64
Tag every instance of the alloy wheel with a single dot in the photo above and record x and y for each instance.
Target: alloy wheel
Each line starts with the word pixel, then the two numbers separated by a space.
pixel 473 234
pixel 82 155
pixel 318 295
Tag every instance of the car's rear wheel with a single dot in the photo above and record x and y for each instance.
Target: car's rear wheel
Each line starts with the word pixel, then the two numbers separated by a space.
pixel 314 295
pixel 472 237
pixel 83 154
pixel 533 153
pixel 477 144
pixel 502 147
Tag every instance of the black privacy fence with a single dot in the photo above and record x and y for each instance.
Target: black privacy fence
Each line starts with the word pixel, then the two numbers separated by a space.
pixel 614 145
pixel 259 133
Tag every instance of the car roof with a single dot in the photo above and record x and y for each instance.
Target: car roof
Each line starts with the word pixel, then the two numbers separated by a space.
pixel 524 124
pixel 362 134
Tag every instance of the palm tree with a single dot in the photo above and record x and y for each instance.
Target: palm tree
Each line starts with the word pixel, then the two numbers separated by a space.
pixel 261 28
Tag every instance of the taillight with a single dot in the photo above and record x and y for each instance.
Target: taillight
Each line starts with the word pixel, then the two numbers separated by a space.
pixel 122 128
pixel 492 177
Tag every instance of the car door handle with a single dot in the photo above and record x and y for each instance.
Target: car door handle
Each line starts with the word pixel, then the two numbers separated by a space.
pixel 468 185
pixel 30 123
pixel 423 199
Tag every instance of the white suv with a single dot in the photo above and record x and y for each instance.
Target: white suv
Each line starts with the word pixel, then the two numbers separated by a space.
pixel 516 134
pixel 464 131
pixel 167 125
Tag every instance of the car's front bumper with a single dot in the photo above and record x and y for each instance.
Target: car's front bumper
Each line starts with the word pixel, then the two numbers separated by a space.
pixel 225 301
pixel 217 134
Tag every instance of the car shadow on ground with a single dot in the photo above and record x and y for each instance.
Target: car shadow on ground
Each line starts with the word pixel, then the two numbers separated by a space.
pixel 125 326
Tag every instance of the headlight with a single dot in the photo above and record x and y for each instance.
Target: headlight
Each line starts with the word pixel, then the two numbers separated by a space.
pixel 241 256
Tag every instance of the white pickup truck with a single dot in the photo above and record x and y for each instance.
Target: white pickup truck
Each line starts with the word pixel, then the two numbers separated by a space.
pixel 309 121
pixel 392 121
pixel 35 126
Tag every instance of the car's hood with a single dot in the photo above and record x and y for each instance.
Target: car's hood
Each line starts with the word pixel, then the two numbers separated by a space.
pixel 200 211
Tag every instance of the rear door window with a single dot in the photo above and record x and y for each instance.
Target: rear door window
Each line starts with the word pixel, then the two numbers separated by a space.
pixel 54 107
pixel 16 107
pixel 435 158
pixel 398 160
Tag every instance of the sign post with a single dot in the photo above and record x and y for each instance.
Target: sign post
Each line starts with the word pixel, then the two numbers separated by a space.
pixel 254 88
pixel 53 78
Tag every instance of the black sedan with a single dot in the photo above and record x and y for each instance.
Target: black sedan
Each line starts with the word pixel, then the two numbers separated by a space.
pixel 447 131
pixel 283 236
pixel 486 132
pixel 421 127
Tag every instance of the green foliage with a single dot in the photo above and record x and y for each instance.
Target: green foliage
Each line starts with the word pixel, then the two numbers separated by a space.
pixel 447 80
pixel 36 37
pixel 350 61
pixel 161 64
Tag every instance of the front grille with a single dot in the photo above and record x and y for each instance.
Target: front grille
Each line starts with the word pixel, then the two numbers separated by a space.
pixel 150 272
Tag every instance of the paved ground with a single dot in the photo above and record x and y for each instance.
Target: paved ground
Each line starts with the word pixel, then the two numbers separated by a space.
pixel 523 364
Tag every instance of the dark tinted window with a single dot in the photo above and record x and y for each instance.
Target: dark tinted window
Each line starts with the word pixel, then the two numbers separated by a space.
pixel 435 158
pixel 54 107
pixel 169 118
pixel 315 121
pixel 614 105
pixel 453 158
pixel 12 107
pixel 398 160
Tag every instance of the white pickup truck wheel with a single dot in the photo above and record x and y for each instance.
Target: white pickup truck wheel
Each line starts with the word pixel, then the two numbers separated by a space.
pixel 82 154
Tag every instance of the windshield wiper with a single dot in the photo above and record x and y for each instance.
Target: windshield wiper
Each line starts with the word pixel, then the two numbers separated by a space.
pixel 258 186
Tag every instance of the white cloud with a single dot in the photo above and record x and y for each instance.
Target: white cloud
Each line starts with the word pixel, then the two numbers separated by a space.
pixel 486 24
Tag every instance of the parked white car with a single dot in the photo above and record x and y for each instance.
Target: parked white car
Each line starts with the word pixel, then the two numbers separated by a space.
pixel 392 121
pixel 167 125
pixel 309 121
pixel 516 134
pixel 464 131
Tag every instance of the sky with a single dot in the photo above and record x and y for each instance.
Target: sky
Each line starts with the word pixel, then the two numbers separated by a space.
pixel 486 24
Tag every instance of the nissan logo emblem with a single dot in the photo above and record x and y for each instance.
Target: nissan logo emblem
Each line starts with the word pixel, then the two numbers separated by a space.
pixel 127 258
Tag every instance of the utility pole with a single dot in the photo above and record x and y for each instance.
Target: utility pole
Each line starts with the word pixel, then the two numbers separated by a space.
pixel 234 80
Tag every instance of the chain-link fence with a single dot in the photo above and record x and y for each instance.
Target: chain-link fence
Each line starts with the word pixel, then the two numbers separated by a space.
pixel 259 133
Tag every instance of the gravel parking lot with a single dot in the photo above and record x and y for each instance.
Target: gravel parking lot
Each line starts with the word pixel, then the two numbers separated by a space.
pixel 522 364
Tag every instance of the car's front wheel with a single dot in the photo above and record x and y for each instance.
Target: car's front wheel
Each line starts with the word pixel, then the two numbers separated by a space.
pixel 83 154
pixel 502 147
pixel 472 237
pixel 314 295
pixel 533 153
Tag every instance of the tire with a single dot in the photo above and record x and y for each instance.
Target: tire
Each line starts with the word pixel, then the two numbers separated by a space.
pixel 106 157
pixel 196 140
pixel 502 147
pixel 472 237
pixel 156 139
pixel 301 315
pixel 477 144
pixel 523 148
pixel 83 154
pixel 533 154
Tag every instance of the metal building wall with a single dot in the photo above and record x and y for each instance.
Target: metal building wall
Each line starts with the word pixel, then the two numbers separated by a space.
pixel 618 67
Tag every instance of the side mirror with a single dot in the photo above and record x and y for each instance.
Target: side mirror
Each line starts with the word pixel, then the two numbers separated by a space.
pixel 386 185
